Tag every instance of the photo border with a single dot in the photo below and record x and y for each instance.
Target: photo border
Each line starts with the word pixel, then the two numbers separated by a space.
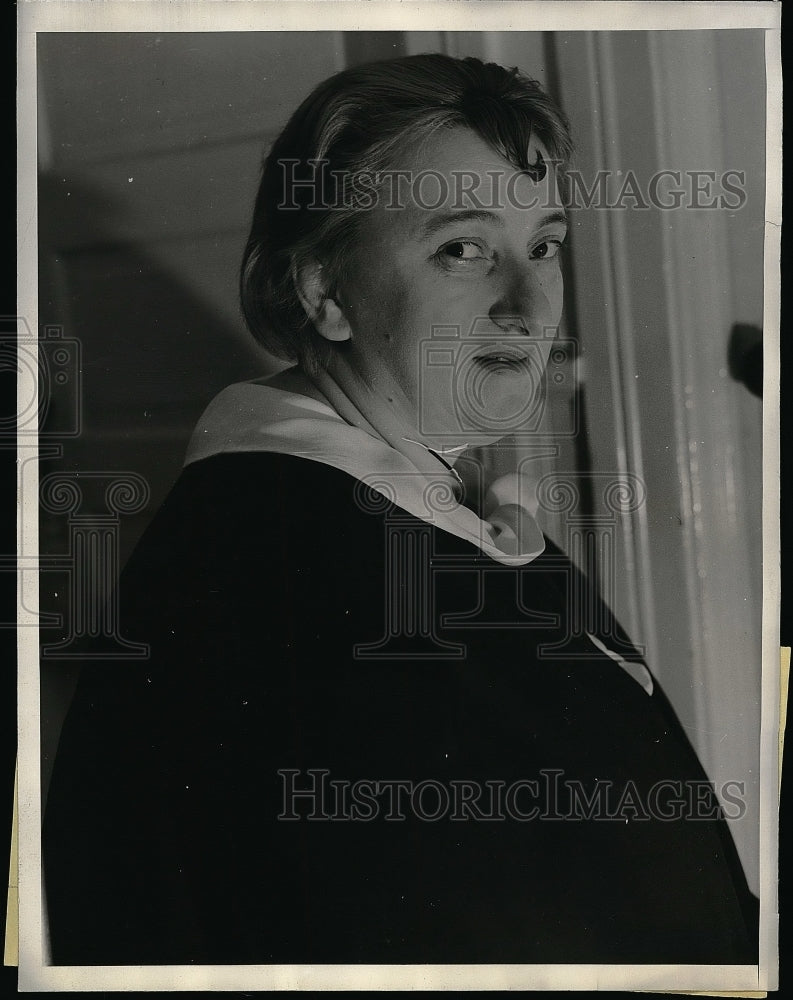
pixel 351 15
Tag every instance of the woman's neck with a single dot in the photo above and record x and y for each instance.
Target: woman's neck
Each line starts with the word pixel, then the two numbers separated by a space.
pixel 375 417
pixel 295 380
pixel 466 468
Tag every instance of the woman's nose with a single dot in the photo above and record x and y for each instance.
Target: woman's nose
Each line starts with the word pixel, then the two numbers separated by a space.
pixel 525 301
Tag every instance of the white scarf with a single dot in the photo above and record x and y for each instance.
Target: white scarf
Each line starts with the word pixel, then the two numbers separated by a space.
pixel 250 416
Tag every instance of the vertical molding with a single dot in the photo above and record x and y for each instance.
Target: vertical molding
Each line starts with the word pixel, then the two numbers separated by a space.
pixel 591 300
pixel 449 41
pixel 493 46
pixel 339 53
pixel 622 333
pixel 681 377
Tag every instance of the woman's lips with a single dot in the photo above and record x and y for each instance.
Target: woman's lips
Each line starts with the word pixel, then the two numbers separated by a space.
pixel 498 357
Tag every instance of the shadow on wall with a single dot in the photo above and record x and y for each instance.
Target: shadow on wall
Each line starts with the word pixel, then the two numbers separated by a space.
pixel 152 352
pixel 145 356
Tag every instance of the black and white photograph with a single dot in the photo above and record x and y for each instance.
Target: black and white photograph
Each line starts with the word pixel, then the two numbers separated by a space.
pixel 398 457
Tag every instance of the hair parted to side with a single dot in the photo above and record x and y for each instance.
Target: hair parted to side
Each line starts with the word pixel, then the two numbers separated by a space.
pixel 356 123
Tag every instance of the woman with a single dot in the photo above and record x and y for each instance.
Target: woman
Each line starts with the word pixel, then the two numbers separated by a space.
pixel 319 762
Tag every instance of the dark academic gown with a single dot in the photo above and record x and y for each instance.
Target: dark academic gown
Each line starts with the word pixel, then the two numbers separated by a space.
pixel 253 585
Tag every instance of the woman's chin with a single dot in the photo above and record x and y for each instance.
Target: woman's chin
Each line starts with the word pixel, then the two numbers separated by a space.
pixel 502 414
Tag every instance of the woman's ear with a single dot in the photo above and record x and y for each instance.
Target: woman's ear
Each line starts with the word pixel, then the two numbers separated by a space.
pixel 324 312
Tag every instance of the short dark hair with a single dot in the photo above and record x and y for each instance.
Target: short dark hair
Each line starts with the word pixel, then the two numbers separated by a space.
pixel 355 122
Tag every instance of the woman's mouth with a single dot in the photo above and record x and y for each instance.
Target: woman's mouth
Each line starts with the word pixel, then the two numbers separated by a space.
pixel 499 357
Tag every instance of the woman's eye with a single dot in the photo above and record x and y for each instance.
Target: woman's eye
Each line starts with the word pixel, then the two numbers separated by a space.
pixel 462 250
pixel 546 249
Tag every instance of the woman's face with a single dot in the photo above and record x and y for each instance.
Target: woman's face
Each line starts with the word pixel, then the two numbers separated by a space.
pixel 453 304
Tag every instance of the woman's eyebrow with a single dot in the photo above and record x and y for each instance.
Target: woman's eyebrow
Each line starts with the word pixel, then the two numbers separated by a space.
pixel 551 218
pixel 437 221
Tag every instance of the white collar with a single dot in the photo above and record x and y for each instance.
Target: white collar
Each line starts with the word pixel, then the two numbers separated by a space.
pixel 250 416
